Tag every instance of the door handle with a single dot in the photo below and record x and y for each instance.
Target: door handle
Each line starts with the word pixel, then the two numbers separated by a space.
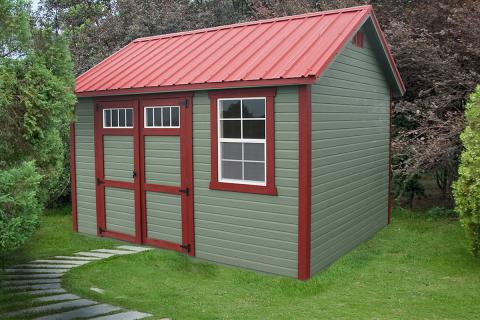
pixel 134 174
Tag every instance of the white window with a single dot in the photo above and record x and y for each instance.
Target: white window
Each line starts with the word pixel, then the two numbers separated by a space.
pixel 118 118
pixel 162 117
pixel 241 140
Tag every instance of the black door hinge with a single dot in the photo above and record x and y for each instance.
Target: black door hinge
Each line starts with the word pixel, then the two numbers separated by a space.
pixel 98 106
pixel 134 174
pixel 184 103
pixel 99 181
pixel 186 191
pixel 101 230
pixel 185 246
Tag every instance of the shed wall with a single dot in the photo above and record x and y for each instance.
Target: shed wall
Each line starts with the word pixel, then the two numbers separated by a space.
pixel 350 142
pixel 85 167
pixel 249 230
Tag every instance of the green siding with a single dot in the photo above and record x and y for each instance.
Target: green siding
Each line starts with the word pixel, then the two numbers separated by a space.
pixel 162 160
pixel 164 217
pixel 120 210
pixel 85 167
pixel 350 119
pixel 118 158
pixel 249 230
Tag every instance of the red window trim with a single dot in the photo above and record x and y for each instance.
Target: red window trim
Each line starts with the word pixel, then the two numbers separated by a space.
pixel 269 94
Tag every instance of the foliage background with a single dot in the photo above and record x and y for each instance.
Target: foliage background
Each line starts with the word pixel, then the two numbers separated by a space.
pixel 36 104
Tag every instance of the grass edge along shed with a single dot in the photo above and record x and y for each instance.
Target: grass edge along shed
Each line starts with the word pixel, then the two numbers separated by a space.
pixel 262 145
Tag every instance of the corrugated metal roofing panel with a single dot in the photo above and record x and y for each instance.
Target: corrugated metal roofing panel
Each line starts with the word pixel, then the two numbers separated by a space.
pixel 282 50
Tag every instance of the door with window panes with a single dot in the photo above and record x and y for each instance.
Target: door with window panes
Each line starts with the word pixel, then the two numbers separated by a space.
pixel 167 179
pixel 143 152
pixel 117 169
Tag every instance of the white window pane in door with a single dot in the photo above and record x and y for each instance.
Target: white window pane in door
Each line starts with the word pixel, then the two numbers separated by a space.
pixel 230 109
pixel 157 117
pixel 253 108
pixel 255 171
pixel 254 151
pixel 166 116
pixel 231 151
pixel 107 118
pixel 121 118
pixel 115 118
pixel 149 117
pixel 175 116
pixel 129 116
pixel 254 129
pixel 232 170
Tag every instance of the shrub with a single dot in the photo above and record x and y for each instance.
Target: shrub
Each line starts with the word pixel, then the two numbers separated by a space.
pixel 19 205
pixel 440 212
pixel 467 188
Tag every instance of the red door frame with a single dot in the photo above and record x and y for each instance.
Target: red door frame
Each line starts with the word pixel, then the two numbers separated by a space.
pixel 186 169
pixel 186 134
pixel 101 182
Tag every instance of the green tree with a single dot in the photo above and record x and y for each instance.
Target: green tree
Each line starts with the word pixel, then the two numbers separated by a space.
pixel 467 188
pixel 36 107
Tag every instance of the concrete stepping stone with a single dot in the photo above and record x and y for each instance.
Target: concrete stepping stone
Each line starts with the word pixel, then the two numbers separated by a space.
pixel 49 270
pixel 95 254
pixel 113 251
pixel 43 286
pixel 77 258
pixel 43 292
pixel 58 297
pixel 32 276
pixel 52 307
pixel 129 315
pixel 54 266
pixel 133 248
pixel 61 262
pixel 30 281
pixel 82 313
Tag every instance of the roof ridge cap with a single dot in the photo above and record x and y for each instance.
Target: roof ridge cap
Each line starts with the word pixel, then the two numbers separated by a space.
pixel 255 22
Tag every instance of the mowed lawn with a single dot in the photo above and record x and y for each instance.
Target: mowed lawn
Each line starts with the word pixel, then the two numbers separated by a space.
pixel 416 268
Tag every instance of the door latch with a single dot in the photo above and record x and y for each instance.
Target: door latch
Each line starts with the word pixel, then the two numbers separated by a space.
pixel 185 246
pixel 186 191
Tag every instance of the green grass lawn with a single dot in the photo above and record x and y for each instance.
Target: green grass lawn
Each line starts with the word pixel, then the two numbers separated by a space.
pixel 416 268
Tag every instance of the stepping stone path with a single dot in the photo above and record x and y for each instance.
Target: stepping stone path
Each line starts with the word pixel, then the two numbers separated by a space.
pixel 42 279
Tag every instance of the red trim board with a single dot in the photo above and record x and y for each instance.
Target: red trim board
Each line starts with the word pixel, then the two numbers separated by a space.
pixel 304 181
pixel 73 178
pixel 269 94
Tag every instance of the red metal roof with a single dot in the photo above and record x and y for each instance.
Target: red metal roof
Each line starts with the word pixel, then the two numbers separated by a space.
pixel 287 50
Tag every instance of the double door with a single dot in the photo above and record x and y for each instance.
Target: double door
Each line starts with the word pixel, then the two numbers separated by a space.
pixel 143 157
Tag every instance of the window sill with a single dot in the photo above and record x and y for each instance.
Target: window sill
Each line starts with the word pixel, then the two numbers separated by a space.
pixel 244 188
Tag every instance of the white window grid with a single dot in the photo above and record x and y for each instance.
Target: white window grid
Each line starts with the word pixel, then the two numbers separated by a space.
pixel 145 124
pixel 242 141
pixel 118 120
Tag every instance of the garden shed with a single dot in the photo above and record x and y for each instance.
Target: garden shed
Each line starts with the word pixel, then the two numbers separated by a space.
pixel 262 145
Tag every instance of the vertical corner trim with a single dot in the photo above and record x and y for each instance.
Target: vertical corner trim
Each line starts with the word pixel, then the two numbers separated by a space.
pixel 390 107
pixel 304 180
pixel 73 178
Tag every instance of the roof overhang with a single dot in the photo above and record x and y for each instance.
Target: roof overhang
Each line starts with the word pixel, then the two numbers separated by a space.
pixel 199 86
